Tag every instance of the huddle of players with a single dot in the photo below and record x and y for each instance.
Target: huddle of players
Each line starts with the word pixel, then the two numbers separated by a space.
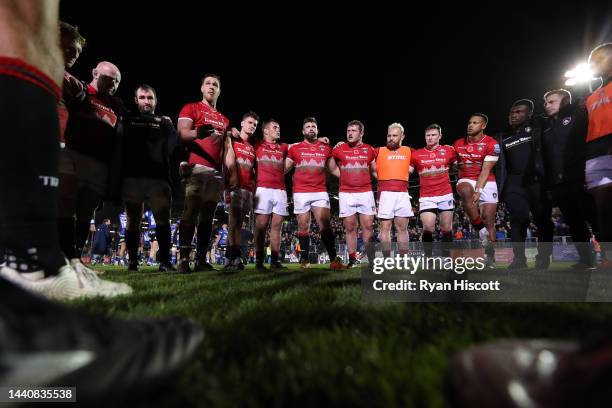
pixel 353 162
pixel 254 180
pixel 252 175
pixel 101 137
pixel 224 159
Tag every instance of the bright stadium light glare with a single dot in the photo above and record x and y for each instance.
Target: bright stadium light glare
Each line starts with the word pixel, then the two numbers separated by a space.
pixel 570 82
pixel 580 74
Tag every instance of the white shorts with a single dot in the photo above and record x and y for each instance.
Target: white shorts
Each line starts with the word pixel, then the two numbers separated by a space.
pixel 362 203
pixel 303 201
pixel 242 199
pixel 599 171
pixel 488 195
pixel 444 202
pixel 205 182
pixel 394 204
pixel 271 200
pixel 88 171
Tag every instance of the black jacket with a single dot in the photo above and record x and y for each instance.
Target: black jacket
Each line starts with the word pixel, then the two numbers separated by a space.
pixel 148 143
pixel 143 148
pixel 534 128
pixel 564 147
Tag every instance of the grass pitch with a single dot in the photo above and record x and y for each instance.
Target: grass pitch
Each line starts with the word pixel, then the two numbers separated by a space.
pixel 304 338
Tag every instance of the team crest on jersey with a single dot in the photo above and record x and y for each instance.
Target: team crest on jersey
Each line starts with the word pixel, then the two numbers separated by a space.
pixel 480 148
pixel 355 151
pixel 566 121
pixel 469 149
pixel 312 149
pixel 496 148
pixel 432 156
pixel 442 152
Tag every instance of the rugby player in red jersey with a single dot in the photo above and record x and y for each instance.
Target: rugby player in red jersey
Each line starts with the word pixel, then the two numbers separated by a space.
pixel 477 154
pixel 239 161
pixel 270 195
pixel 353 162
pixel 202 128
pixel 310 158
pixel 435 194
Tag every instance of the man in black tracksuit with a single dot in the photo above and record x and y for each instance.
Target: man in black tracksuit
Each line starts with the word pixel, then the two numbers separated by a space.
pixel 148 143
pixel 520 176
pixel 563 147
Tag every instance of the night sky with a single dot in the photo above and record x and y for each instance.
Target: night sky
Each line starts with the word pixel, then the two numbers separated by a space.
pixel 375 64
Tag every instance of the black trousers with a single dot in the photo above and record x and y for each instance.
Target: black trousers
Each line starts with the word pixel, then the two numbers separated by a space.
pixel 578 210
pixel 520 201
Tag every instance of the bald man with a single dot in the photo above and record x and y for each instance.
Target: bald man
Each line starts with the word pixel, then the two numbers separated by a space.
pixel 84 163
pixel 599 145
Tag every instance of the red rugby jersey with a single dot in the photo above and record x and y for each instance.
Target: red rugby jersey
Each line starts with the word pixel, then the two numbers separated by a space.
pixel 354 163
pixel 203 114
pixel 270 159
pixel 470 156
pixel 245 160
pixel 432 167
pixel 310 160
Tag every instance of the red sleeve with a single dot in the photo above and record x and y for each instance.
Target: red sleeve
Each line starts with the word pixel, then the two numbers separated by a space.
pixel 452 154
pixel 372 153
pixel 413 162
pixel 335 153
pixel 328 152
pixel 187 112
pixel 285 149
pixel 290 154
pixel 492 148
pixel 376 151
